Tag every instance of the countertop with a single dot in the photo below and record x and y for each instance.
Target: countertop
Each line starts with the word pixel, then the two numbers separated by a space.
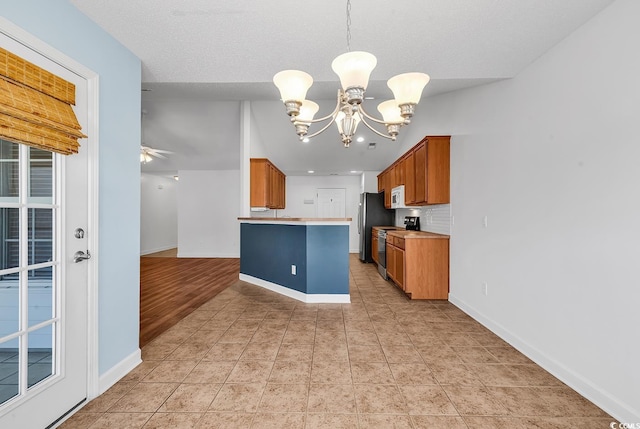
pixel 403 233
pixel 306 221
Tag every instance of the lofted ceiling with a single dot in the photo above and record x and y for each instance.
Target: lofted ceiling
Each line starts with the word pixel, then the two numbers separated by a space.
pixel 200 58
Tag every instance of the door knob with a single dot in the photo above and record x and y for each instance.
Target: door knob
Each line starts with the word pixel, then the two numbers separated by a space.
pixel 80 256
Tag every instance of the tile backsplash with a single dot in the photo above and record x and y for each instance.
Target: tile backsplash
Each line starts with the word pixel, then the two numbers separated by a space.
pixel 435 218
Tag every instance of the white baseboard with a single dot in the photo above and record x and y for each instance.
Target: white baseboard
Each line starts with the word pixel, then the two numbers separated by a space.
pixel 118 371
pixel 207 255
pixel 312 298
pixel 614 406
pixel 157 249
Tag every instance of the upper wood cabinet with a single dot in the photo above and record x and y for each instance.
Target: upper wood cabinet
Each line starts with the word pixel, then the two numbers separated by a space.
pixel 268 184
pixel 432 170
pixel 385 183
pixel 423 170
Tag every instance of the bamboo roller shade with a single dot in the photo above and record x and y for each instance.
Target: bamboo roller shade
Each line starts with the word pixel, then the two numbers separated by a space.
pixel 35 107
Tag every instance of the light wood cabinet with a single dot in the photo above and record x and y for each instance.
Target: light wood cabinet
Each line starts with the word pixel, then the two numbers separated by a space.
pixel 395 260
pixel 423 170
pixel 268 184
pixel 385 183
pixel 374 246
pixel 429 178
pixel 419 266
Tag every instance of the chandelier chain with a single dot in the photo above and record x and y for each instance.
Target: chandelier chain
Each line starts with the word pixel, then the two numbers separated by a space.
pixel 348 25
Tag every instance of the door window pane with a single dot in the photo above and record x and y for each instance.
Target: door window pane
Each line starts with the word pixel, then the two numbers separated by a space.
pixel 40 357
pixel 9 234
pixel 40 297
pixel 40 235
pixel 9 171
pixel 9 308
pixel 40 175
pixel 9 367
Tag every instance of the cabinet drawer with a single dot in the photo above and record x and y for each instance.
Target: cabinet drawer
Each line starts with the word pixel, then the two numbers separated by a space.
pixel 398 242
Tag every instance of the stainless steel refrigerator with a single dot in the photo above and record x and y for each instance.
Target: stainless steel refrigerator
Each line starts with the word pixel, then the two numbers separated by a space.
pixel 371 212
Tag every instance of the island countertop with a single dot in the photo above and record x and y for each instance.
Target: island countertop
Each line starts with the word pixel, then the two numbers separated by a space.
pixel 298 220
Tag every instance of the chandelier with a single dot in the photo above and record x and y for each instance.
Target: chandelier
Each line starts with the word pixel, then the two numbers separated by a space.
pixel 353 69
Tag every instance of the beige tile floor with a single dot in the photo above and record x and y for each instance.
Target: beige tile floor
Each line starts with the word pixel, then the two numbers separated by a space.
pixel 250 358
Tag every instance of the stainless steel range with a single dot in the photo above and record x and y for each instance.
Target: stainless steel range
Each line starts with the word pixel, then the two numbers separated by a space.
pixel 382 253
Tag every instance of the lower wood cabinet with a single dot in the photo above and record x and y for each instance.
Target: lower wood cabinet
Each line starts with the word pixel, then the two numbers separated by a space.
pixel 419 266
pixel 374 246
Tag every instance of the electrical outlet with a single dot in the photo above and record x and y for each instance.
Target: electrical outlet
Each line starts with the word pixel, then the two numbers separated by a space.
pixel 485 288
pixel 293 270
pixel 485 222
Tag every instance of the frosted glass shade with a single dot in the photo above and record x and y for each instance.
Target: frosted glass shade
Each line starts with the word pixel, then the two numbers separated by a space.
pixel 354 68
pixel 293 84
pixel 390 112
pixel 307 110
pixel 407 87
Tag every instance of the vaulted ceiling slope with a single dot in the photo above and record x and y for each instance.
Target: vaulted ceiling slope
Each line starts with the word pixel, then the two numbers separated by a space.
pixel 201 51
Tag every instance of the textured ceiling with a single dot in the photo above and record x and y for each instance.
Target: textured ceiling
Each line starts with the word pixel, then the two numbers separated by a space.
pixel 196 53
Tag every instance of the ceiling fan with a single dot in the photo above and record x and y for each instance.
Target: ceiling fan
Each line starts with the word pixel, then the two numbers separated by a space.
pixel 147 154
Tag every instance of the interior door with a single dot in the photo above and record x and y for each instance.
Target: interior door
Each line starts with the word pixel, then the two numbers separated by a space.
pixel 43 292
pixel 331 203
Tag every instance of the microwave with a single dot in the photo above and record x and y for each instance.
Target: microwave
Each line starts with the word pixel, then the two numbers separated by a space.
pixel 397 197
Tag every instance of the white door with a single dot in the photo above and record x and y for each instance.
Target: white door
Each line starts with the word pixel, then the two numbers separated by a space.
pixel 43 292
pixel 331 203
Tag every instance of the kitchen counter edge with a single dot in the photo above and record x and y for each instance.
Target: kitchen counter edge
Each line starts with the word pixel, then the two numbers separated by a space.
pixel 296 220
pixel 403 233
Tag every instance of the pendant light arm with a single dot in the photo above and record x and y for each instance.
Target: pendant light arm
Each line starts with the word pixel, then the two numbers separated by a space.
pixel 332 116
pixel 376 131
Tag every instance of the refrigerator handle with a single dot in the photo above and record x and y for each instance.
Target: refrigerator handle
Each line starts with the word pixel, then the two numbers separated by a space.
pixel 359 218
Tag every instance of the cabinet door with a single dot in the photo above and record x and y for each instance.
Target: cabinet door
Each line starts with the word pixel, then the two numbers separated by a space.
pixel 271 186
pixel 391 261
pixel 420 159
pixel 259 183
pixel 410 178
pixel 399 267
pixel 400 172
pixel 393 171
pixel 283 190
pixel 374 247
pixel 387 189
pixel 438 170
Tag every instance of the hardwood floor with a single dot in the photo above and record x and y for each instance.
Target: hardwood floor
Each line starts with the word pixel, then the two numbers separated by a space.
pixel 171 288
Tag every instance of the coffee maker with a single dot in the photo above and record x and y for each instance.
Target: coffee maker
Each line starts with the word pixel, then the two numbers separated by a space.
pixel 412 223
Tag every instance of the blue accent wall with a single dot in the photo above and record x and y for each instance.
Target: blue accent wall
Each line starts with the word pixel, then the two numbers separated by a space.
pixel 268 251
pixel 328 259
pixel 320 254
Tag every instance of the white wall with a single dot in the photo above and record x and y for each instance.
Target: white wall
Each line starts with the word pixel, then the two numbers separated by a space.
pixel 301 188
pixel 369 181
pixel 158 213
pixel 551 157
pixel 208 207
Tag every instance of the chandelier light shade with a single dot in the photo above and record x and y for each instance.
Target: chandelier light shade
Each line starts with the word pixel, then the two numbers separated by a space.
pixel 293 86
pixel 390 112
pixel 407 87
pixel 353 69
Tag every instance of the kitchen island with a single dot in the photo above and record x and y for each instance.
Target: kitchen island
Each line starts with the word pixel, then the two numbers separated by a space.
pixel 304 258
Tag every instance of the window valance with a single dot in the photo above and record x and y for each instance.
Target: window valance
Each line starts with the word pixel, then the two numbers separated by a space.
pixel 35 106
